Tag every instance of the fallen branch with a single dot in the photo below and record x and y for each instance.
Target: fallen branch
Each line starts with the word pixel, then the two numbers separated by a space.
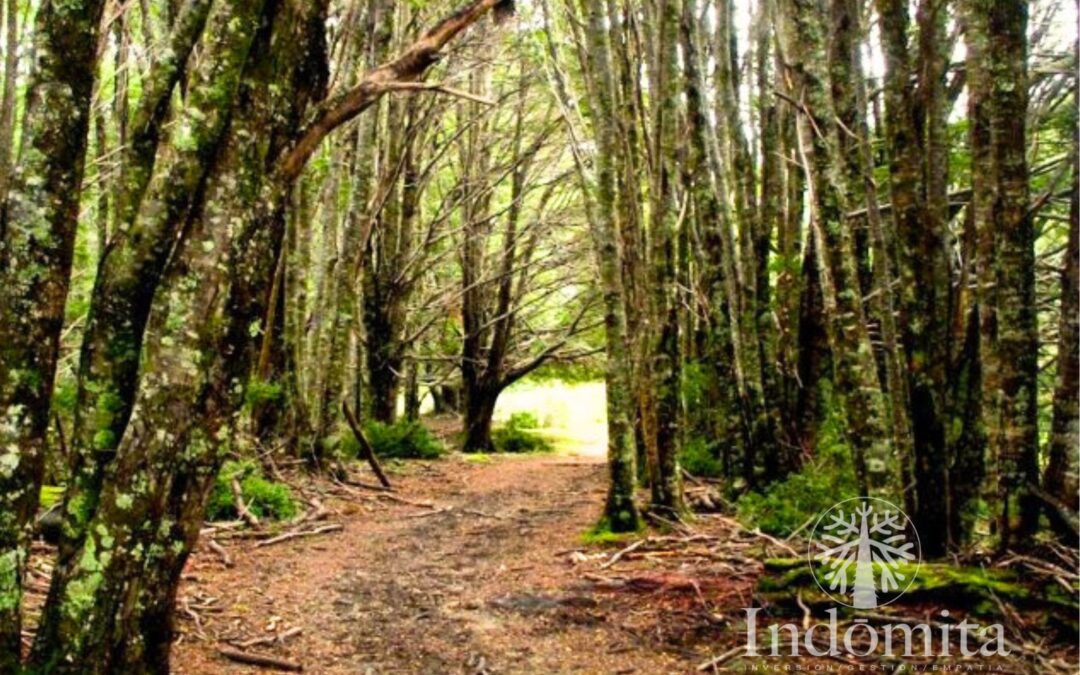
pixel 269 639
pixel 241 508
pixel 296 534
pixel 618 556
pixel 365 446
pixel 260 660
pixel 221 552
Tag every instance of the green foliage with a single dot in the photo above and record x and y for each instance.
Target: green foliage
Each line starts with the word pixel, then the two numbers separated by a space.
pixel 698 457
pixel 261 391
pixel 518 434
pixel 404 439
pixel 784 507
pixel 51 495
pixel 265 498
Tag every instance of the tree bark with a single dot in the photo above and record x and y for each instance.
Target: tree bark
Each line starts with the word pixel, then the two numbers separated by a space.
pixel 37 238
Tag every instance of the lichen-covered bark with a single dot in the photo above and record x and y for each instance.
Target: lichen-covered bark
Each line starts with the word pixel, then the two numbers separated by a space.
pixel 722 403
pixel 803 33
pixel 666 214
pixel 997 47
pixel 133 264
pixel 37 236
pixel 620 511
pixel 112 610
pixel 920 216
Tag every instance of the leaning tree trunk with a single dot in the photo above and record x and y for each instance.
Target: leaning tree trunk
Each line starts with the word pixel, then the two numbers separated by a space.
pixel 37 239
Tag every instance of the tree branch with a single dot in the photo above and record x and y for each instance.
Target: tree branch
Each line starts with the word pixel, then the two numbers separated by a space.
pixel 409 67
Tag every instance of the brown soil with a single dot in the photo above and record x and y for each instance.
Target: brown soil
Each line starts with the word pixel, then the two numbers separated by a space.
pixel 492 579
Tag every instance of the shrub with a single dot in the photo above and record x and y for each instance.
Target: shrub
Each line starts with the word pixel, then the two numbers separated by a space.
pixel 265 498
pixel 404 439
pixel 518 434
pixel 786 506
pixel 698 457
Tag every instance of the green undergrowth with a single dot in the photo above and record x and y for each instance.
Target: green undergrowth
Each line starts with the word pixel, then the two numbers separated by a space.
pixel 265 498
pixel 784 507
pixel 601 533
pixel 404 439
pixel 699 457
pixel 519 435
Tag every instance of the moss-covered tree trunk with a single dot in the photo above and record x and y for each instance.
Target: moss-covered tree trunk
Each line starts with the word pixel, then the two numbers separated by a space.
pixel 154 203
pixel 997 47
pixel 804 31
pixel 920 217
pixel 666 214
pixel 37 239
pixel 620 510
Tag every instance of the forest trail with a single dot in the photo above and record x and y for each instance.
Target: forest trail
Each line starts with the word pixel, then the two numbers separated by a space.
pixel 478 583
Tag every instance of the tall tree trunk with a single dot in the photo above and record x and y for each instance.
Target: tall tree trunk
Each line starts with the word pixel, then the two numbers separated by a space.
pixel 37 238
pixel 997 63
pixel 803 32
pixel 666 214
pixel 920 215
pixel 620 510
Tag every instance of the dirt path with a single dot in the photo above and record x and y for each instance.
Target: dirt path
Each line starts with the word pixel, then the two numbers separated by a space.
pixel 475 585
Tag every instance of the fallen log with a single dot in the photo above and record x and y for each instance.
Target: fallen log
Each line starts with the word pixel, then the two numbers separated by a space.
pixel 979 590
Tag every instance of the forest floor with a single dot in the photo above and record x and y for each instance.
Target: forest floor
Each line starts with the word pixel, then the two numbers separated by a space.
pixel 483 572
pixel 478 565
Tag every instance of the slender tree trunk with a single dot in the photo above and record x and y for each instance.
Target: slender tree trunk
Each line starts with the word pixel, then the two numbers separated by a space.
pixel 1062 478
pixel 620 510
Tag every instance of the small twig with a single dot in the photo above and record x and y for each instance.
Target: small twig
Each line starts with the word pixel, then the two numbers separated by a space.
pixel 446 509
pixel 618 555
pixel 410 502
pixel 268 639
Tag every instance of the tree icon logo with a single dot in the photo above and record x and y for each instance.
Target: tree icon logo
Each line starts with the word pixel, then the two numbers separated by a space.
pixel 864 552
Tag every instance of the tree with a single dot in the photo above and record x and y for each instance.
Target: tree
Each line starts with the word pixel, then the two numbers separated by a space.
pixel 37 237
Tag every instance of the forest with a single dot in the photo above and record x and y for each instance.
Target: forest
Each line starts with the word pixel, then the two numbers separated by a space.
pixel 536 336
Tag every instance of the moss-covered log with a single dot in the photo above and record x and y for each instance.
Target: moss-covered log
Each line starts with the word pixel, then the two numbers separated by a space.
pixel 980 591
